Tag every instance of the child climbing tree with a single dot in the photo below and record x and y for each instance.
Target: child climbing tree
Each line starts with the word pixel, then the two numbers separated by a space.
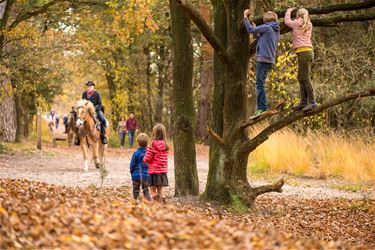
pixel 228 175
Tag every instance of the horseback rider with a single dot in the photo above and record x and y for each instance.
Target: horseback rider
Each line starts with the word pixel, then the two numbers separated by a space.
pixel 94 97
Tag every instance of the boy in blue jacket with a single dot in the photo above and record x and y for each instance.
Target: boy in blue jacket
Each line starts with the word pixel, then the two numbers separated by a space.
pixel 268 35
pixel 139 169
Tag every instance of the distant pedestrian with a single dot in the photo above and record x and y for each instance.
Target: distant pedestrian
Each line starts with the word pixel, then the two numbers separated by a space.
pixel 131 127
pixel 121 130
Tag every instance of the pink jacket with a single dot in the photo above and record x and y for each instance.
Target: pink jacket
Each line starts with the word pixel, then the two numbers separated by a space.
pixel 157 158
pixel 300 38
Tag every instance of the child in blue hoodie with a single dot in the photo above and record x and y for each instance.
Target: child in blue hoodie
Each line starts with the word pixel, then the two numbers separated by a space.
pixel 268 35
pixel 139 169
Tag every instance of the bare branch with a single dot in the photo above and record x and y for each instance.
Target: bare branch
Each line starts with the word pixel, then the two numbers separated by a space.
pixel 326 9
pixel 44 8
pixel 206 31
pixel 216 137
pixel 276 187
pixel 333 21
pixel 24 16
pixel 295 116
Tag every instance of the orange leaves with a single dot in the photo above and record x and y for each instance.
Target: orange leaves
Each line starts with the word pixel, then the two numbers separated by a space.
pixel 38 215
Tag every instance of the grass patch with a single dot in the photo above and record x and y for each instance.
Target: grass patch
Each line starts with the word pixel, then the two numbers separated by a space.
pixel 349 187
pixel 238 205
pixel 316 155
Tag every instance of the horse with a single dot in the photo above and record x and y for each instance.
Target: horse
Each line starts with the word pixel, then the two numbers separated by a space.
pixel 71 129
pixel 88 133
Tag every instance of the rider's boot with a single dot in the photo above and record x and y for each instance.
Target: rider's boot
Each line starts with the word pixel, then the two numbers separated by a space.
pixel 103 136
pixel 77 141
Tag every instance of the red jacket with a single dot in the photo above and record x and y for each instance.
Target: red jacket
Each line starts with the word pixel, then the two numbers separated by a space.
pixel 157 158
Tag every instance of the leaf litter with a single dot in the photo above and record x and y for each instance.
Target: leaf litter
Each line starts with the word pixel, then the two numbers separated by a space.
pixel 39 215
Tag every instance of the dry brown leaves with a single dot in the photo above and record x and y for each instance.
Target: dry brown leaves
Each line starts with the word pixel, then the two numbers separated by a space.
pixel 38 215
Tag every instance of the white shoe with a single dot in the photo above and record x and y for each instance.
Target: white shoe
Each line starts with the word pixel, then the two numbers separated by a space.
pixel 106 124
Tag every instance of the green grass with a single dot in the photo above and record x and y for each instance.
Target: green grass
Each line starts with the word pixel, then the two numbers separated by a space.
pixel 348 187
pixel 238 205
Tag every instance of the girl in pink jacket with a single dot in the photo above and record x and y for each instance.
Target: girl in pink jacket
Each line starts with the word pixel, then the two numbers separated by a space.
pixel 157 159
pixel 302 31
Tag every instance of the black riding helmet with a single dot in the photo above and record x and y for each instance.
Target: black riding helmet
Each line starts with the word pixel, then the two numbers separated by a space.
pixel 90 83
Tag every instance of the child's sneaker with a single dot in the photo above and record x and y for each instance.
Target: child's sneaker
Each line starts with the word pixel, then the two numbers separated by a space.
pixel 299 107
pixel 257 113
pixel 310 107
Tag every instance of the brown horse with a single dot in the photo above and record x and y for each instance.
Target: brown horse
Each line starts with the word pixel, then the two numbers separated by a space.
pixel 88 133
pixel 71 129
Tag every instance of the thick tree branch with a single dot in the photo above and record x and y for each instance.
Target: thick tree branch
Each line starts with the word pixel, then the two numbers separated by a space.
pixel 324 22
pixel 25 16
pixel 295 116
pixel 206 31
pixel 326 9
pixel 333 21
pixel 46 7
pixel 276 187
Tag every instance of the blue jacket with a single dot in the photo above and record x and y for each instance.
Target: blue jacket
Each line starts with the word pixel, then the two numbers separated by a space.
pixel 139 169
pixel 268 36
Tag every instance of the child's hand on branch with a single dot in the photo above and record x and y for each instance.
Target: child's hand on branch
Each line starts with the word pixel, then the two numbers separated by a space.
pixel 246 13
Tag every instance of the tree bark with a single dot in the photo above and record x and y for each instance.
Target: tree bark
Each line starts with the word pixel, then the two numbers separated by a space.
pixel 183 136
pixel 8 122
pixel 215 186
pixel 206 81
pixel 161 82
pixel 20 113
pixel 150 122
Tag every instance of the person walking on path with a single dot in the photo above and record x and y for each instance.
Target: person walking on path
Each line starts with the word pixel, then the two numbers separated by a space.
pixel 121 130
pixel 131 127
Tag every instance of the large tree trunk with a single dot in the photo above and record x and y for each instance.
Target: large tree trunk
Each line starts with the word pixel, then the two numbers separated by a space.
pixel 8 123
pixel 183 136
pixel 215 186
pixel 206 81
pixel 20 114
pixel 150 122
pixel 161 82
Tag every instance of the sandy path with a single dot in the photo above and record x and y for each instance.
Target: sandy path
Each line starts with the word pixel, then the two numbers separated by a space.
pixel 63 166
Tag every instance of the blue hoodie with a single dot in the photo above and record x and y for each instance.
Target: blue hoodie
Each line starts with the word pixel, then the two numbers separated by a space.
pixel 139 169
pixel 268 36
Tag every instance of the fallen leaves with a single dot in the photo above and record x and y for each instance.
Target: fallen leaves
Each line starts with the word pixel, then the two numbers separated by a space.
pixel 38 215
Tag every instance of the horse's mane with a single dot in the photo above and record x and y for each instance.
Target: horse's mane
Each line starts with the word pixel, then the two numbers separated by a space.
pixel 89 106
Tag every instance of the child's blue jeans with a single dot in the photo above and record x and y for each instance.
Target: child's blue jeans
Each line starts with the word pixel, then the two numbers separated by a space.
pixel 262 69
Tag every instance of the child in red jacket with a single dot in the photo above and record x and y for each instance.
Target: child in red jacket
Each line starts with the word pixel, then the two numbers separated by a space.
pixel 157 159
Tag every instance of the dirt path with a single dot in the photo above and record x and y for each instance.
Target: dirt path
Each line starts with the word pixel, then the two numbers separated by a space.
pixel 63 166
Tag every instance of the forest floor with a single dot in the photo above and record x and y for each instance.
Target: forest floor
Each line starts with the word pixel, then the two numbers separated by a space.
pixel 307 209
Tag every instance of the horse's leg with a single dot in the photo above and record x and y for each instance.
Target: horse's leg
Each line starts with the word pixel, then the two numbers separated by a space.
pixel 95 149
pixel 102 153
pixel 84 150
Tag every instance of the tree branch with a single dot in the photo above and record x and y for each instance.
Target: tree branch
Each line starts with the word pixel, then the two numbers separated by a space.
pixel 251 122
pixel 217 138
pixel 326 9
pixel 44 8
pixel 295 116
pixel 333 21
pixel 206 31
pixel 276 187
pixel 24 16
pixel 324 22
